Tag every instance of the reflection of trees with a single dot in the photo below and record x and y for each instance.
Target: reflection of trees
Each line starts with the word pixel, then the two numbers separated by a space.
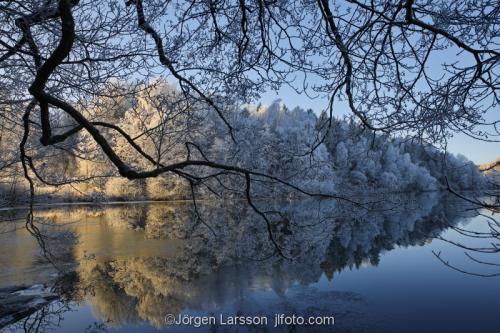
pixel 210 271
pixel 128 291
pixel 362 237
pixel 37 309
pixel 228 256
pixel 43 320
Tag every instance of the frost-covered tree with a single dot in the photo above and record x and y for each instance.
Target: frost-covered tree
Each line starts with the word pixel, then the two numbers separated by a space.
pixel 379 56
pixel 276 141
pixel 370 161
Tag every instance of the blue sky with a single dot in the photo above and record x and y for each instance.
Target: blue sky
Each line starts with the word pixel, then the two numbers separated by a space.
pixel 475 150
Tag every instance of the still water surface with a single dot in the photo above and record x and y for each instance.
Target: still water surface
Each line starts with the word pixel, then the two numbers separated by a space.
pixel 124 267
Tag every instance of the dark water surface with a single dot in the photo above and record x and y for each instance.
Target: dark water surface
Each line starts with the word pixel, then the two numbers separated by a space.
pixel 124 268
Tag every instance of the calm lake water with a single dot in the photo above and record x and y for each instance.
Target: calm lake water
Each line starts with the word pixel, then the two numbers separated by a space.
pixel 126 267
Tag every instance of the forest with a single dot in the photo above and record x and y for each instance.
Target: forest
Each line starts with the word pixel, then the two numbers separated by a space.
pixel 290 144
pixel 141 100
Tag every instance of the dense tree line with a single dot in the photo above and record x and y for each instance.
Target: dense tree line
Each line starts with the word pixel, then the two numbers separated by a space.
pixel 272 140
pixel 419 69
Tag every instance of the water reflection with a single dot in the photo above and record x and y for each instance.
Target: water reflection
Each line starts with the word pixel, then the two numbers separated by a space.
pixel 136 263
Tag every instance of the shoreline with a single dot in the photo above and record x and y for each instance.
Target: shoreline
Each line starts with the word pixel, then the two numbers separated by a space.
pixel 117 202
